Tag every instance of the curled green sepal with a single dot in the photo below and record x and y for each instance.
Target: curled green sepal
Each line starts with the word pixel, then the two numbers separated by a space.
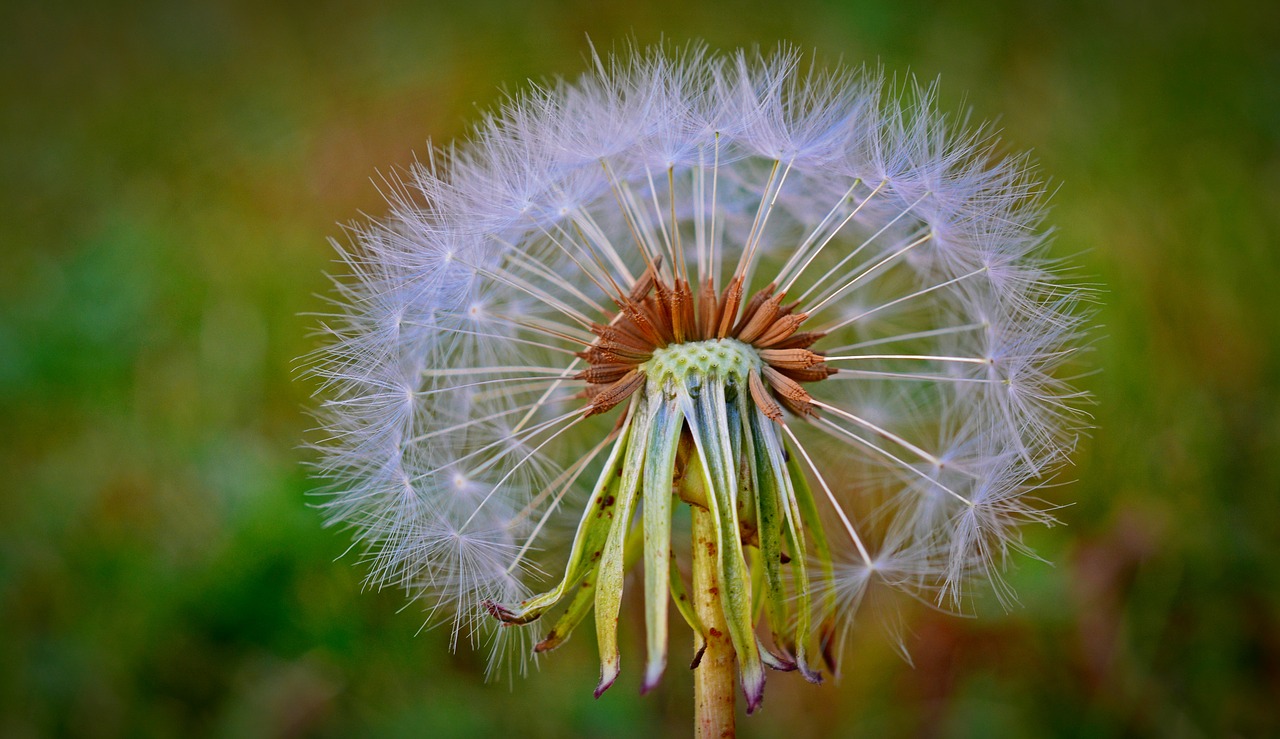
pixel 660 461
pixel 704 408
pixel 584 598
pixel 578 609
pixel 593 531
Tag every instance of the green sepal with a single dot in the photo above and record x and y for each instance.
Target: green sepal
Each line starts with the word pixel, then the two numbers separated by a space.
pixel 660 461
pixel 744 472
pixel 608 601
pixel 593 532
pixel 578 609
pixel 704 408
pixel 769 505
pixel 584 597
pixel 757 584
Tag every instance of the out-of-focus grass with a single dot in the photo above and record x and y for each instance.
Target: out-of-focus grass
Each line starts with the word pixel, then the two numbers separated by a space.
pixel 171 174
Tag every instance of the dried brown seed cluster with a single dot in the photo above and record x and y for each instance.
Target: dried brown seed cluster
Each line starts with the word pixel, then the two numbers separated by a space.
pixel 656 314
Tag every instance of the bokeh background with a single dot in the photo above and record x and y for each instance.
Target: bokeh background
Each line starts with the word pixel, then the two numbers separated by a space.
pixel 169 175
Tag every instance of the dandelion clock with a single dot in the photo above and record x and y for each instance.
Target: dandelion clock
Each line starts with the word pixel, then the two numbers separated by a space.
pixel 749 339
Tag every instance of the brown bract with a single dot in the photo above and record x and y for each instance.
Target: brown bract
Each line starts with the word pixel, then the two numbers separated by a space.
pixel 657 313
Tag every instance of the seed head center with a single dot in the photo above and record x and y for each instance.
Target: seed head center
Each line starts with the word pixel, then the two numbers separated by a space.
pixel 727 360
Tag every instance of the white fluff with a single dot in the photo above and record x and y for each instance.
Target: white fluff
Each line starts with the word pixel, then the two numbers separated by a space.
pixel 450 428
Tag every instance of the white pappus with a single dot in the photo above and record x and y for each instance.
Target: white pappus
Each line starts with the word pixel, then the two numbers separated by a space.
pixel 605 260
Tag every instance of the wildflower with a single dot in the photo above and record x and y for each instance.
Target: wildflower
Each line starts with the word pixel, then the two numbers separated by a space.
pixel 805 306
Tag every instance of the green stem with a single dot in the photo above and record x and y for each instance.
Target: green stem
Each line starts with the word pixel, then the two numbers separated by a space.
pixel 713 680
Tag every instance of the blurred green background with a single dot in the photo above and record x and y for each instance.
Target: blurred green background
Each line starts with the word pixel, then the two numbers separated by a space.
pixel 169 174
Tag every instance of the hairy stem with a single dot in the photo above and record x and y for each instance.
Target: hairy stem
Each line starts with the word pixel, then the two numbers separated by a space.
pixel 713 680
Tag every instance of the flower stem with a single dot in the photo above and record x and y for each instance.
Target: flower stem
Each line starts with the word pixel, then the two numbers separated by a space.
pixel 713 680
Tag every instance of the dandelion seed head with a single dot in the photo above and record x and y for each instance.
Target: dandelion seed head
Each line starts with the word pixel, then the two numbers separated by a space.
pixel 809 274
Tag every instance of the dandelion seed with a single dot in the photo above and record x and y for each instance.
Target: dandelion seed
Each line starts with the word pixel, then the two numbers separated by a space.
pixel 806 305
